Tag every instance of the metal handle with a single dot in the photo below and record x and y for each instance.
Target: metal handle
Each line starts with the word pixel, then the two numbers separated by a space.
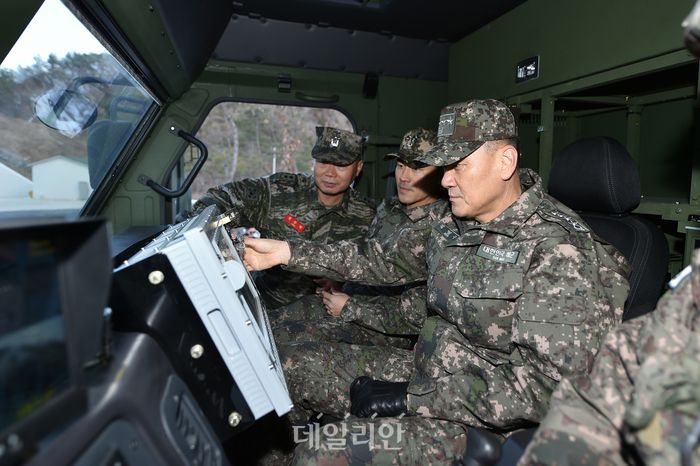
pixel 169 193
pixel 325 99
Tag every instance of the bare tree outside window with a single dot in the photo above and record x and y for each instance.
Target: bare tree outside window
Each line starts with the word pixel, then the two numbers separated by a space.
pixel 247 140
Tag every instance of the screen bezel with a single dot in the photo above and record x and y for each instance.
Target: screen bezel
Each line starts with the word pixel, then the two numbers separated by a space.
pixel 76 243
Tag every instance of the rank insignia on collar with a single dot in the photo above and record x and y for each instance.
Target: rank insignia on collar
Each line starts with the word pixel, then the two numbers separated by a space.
pixel 294 223
pixel 445 231
pixel 571 221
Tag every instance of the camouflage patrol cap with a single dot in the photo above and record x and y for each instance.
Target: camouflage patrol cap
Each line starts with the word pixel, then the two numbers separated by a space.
pixel 466 126
pixel 337 146
pixel 415 143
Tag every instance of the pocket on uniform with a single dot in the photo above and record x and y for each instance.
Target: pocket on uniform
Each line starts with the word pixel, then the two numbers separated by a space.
pixel 491 281
pixel 489 293
pixel 570 310
pixel 421 386
pixel 556 328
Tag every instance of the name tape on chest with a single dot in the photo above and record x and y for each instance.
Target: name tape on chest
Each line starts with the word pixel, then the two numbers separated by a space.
pixel 497 254
pixel 294 223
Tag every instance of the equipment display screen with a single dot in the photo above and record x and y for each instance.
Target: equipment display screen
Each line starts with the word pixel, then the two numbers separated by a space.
pixel 33 350
pixel 207 266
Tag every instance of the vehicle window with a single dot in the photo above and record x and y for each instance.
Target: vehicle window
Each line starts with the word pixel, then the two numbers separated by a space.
pixel 67 108
pixel 247 140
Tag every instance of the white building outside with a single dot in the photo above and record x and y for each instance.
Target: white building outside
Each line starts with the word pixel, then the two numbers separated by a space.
pixel 61 178
pixel 59 184
pixel 13 185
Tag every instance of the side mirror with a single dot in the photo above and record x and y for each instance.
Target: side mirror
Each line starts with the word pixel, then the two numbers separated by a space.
pixel 66 111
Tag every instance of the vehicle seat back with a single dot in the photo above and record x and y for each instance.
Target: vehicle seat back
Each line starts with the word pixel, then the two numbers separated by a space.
pixel 598 178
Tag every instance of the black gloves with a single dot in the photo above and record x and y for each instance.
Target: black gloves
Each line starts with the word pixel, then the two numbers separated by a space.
pixel 368 396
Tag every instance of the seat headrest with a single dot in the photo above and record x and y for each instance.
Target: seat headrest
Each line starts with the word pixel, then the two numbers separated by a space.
pixel 596 175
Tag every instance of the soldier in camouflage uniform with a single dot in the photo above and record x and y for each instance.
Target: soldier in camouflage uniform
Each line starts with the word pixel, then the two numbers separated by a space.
pixel 320 208
pixel 642 398
pixel 378 315
pixel 366 319
pixel 522 289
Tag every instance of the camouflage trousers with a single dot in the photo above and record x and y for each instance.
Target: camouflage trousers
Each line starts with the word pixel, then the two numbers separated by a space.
pixel 319 374
pixel 410 440
pixel 307 320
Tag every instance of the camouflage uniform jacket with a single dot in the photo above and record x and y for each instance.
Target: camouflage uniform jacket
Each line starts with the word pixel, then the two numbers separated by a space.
pixel 283 206
pixel 401 310
pixel 642 397
pixel 401 314
pixel 528 295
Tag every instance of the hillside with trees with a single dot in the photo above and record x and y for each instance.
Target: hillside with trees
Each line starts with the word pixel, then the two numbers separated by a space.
pixel 248 140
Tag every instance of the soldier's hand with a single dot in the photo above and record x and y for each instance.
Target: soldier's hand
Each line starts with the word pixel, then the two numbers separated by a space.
pixel 334 301
pixel 327 284
pixel 261 254
pixel 386 399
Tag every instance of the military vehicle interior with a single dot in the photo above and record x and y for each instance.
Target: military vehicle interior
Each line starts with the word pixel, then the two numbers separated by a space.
pixel 577 75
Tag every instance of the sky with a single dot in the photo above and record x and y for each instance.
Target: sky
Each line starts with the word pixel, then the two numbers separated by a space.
pixel 52 30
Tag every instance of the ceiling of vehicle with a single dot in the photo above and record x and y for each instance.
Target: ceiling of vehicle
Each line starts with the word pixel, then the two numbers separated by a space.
pixel 439 20
pixel 400 38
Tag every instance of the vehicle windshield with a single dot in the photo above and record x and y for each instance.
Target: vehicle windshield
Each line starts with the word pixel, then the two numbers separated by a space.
pixel 67 109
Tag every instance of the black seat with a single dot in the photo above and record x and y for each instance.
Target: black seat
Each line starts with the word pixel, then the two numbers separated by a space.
pixel 597 177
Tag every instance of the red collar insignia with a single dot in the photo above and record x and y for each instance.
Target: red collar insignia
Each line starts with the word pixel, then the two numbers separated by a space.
pixel 294 223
